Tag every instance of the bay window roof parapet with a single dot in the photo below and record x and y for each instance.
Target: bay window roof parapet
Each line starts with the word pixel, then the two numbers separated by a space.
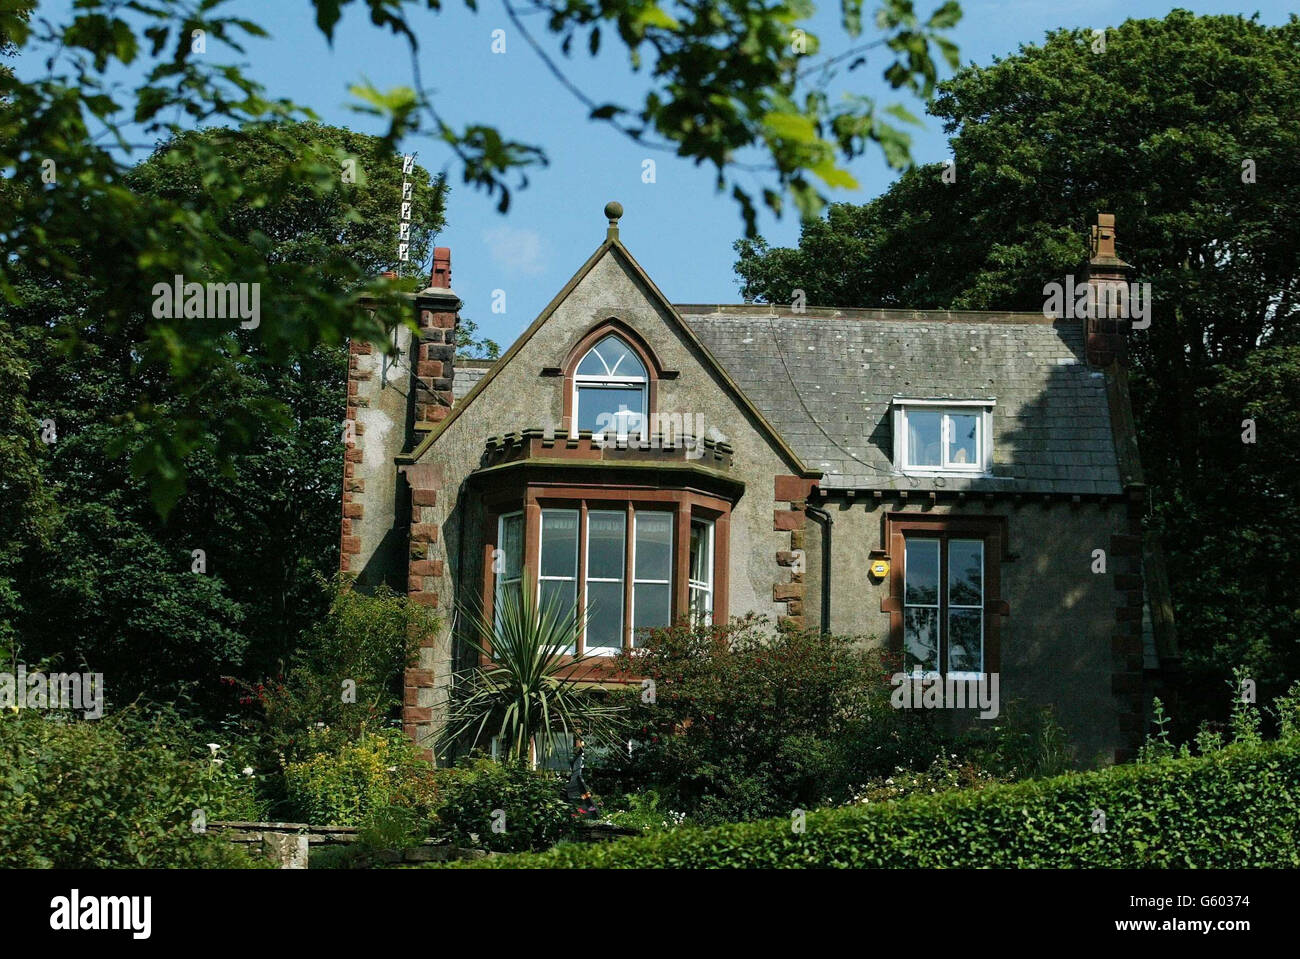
pixel 537 443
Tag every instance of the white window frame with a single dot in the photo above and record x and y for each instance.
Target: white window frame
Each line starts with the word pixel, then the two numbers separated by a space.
pixel 586 586
pixel 611 378
pixel 983 464
pixel 702 586
pixel 500 582
pixel 577 552
pixel 636 581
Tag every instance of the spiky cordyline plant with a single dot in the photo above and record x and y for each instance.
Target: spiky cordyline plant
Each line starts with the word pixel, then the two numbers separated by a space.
pixel 527 686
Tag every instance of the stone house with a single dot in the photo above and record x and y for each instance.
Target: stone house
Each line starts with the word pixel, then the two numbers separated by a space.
pixel 963 487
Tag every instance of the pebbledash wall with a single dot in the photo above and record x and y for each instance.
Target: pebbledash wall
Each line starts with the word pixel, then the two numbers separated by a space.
pixel 410 519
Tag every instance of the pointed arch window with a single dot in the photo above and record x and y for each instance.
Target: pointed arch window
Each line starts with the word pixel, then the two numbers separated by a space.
pixel 611 388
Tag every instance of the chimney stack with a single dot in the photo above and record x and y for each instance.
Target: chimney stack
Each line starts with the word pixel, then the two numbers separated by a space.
pixel 436 311
pixel 1106 326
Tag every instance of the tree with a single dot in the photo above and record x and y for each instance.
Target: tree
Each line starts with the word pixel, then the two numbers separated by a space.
pixel 1185 128
pixel 721 79
pixel 471 347
pixel 110 582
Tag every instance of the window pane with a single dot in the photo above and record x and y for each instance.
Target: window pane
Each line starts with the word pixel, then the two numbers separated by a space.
pixel 654 545
pixel 701 571
pixel 611 357
pixel 562 592
pixel 653 607
pixel 606 545
pixel 617 408
pixel 924 431
pixel 604 615
pixel 555 751
pixel 921 572
pixel 701 605
pixel 512 545
pixel 920 640
pixel 965 641
pixel 962 446
pixel 965 572
pixel 559 542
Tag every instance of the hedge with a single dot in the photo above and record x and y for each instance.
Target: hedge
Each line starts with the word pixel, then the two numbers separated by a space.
pixel 1236 807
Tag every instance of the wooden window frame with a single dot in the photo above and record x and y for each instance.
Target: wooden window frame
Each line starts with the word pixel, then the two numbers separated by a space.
pixel 992 530
pixel 684 505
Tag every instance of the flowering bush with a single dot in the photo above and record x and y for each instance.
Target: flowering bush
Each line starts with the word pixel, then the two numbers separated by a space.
pixel 642 811
pixel 346 785
pixel 346 678
pixel 944 774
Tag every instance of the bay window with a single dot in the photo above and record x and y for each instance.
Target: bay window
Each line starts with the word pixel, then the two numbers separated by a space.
pixel 701 571
pixel 508 559
pixel 626 563
pixel 652 586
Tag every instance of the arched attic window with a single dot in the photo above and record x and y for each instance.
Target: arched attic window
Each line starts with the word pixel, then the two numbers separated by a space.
pixel 611 388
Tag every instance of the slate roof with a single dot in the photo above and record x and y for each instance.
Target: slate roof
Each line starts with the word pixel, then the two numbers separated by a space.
pixel 466 376
pixel 826 380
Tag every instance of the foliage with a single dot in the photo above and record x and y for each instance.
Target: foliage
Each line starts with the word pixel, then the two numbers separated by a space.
pixel 1287 710
pixel 348 785
pixel 119 792
pixel 528 684
pixel 503 807
pixel 945 773
pixel 1157 745
pixel 469 346
pixel 747 722
pixel 642 811
pixel 103 579
pixel 1025 742
pixel 346 677
pixel 1033 140
pixel 1235 808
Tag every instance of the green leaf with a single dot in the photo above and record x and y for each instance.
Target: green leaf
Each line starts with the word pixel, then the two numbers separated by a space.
pixel 790 126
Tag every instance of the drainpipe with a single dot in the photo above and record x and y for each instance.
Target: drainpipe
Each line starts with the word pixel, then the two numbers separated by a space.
pixel 827 521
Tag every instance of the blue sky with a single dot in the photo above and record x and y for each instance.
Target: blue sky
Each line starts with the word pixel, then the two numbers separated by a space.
pixel 679 228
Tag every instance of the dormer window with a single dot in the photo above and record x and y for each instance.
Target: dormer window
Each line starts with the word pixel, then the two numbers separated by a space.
pixel 943 436
pixel 610 389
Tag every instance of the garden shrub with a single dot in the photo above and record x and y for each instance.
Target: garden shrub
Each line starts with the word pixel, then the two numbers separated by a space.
pixel 749 722
pixel 536 814
pixel 643 811
pixel 1234 808
pixel 346 677
pixel 346 785
pixel 118 792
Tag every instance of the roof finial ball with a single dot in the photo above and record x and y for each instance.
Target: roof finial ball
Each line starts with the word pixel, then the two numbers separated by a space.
pixel 613 210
